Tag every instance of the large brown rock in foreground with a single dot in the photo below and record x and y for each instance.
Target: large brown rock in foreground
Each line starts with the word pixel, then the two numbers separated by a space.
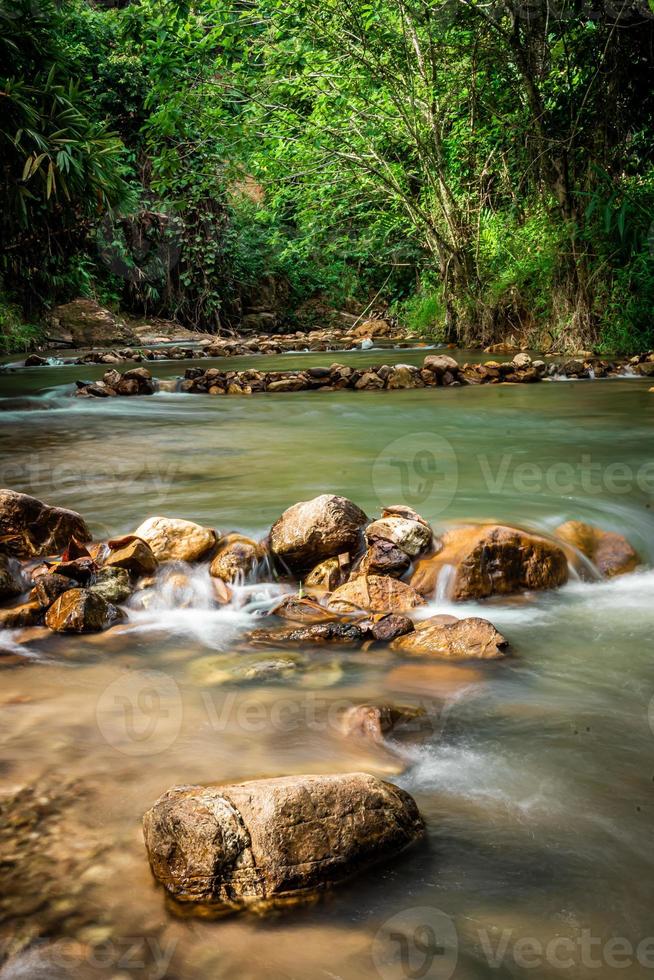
pixel 29 528
pixel 491 560
pixel 175 539
pixel 610 552
pixel 270 841
pixel 456 639
pixel 312 530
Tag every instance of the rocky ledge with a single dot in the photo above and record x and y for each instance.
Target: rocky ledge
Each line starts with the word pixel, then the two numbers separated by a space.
pixel 438 370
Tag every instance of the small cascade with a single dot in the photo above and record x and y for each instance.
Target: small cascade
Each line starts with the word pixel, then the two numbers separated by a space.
pixel 444 583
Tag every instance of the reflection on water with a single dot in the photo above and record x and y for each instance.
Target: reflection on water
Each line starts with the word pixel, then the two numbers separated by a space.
pixel 536 777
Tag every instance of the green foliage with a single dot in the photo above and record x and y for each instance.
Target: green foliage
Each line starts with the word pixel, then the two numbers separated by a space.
pixel 16 336
pixel 423 313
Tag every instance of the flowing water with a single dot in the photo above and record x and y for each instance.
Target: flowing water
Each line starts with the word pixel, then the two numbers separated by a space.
pixel 536 774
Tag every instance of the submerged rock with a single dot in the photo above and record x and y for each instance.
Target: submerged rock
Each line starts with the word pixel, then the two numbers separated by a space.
pixel 492 560
pixel 375 593
pixel 274 841
pixel 312 530
pixel 29 528
pixel 460 639
pixel 610 552
pixel 374 721
pixel 81 611
pixel 175 539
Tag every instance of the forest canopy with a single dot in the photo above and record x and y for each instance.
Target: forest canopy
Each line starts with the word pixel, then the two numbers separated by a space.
pixel 485 168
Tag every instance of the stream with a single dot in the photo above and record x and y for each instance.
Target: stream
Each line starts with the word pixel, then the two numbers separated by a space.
pixel 535 779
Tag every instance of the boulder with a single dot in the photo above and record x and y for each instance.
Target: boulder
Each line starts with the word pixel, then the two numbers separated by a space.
pixel 329 574
pixel 401 510
pixel 374 721
pixel 174 539
pixel 84 323
pixel 35 360
pixel 479 562
pixel 312 530
pixel 11 583
pixel 610 552
pixel 292 383
pixel 274 841
pixel 81 611
pixel 28 527
pixel 237 558
pixel 112 583
pixel 133 554
pixel 369 381
pixel 459 639
pixel 522 361
pixel 383 558
pixel 375 593
pixel 409 535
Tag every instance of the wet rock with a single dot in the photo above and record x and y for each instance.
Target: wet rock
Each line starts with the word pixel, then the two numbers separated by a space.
pixel 11 582
pixel 301 610
pixel 388 628
pixel 292 383
pixel 133 554
pixel 375 593
pixel 270 841
pixel 479 562
pixel 374 721
pixel 81 611
pixel 329 574
pixel 411 536
pixel 77 569
pixel 175 539
pixel 610 552
pixel 334 632
pixel 522 361
pixel 16 617
pixel 237 558
pixel 29 528
pixel 312 530
pixel 112 583
pixel 384 558
pixel 50 586
pixel 369 381
pixel 461 639
pixel 35 360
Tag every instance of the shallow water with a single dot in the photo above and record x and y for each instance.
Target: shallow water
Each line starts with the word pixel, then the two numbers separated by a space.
pixel 537 778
